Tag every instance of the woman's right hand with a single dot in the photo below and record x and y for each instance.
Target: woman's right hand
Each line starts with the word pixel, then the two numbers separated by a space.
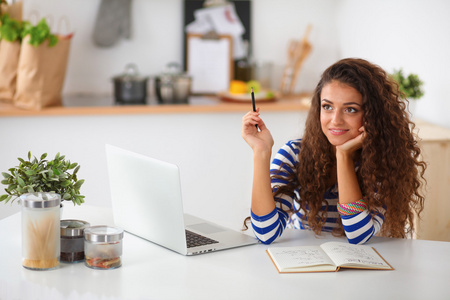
pixel 258 140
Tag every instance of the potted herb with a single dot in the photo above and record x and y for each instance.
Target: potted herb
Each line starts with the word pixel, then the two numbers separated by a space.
pixel 410 86
pixel 57 175
pixel 41 185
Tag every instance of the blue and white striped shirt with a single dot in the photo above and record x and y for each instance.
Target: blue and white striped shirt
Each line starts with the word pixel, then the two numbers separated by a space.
pixel 359 228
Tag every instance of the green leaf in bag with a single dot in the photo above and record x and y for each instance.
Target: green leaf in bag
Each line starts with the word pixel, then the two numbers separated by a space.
pixel 10 29
pixel 39 33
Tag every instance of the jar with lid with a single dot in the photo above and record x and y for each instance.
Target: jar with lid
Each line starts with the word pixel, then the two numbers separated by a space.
pixel 103 247
pixel 40 230
pixel 72 240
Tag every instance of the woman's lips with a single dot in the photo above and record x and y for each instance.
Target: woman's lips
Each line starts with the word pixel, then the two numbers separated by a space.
pixel 337 131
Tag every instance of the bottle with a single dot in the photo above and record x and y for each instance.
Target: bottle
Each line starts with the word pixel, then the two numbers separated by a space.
pixel 244 66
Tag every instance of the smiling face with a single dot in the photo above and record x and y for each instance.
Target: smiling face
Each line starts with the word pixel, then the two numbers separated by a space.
pixel 341 114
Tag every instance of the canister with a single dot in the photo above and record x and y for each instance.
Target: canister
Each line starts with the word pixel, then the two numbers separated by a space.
pixel 72 240
pixel 40 230
pixel 103 247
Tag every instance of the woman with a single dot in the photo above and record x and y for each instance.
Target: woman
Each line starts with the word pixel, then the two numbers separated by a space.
pixel 356 171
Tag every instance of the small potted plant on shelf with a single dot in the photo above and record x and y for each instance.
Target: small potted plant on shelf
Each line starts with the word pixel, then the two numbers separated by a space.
pixel 55 176
pixel 410 86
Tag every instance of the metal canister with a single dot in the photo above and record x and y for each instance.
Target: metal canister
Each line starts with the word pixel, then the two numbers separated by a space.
pixel 72 240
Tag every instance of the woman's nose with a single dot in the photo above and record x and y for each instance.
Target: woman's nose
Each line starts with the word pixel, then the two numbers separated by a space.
pixel 337 118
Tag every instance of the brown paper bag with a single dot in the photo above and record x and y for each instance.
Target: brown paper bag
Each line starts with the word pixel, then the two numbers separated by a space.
pixel 41 73
pixel 13 9
pixel 9 56
pixel 9 60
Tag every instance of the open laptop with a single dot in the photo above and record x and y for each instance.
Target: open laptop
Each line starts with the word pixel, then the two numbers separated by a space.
pixel 146 202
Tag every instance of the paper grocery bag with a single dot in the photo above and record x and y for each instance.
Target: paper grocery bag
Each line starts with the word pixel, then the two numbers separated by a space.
pixel 41 73
pixel 9 60
pixel 13 9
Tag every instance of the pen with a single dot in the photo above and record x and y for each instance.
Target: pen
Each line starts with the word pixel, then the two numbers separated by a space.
pixel 254 104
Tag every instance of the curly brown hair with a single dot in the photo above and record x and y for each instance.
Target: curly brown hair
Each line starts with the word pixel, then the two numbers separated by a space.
pixel 390 173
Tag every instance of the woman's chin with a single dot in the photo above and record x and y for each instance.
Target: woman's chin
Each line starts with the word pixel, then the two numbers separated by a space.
pixel 336 141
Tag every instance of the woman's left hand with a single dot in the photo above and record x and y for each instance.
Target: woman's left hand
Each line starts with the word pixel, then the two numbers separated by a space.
pixel 352 145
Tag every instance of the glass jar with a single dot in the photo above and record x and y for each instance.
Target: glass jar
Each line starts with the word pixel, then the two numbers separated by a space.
pixel 103 247
pixel 40 230
pixel 72 240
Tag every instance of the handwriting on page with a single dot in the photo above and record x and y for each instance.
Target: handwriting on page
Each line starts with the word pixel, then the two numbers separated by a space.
pixel 305 256
pixel 357 254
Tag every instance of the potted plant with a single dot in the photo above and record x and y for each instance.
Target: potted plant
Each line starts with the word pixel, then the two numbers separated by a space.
pixel 410 86
pixel 57 175
pixel 41 185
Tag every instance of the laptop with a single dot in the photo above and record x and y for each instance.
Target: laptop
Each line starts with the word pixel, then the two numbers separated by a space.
pixel 147 202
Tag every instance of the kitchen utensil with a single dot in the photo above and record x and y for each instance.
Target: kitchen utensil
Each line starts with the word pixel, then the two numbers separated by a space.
pixel 297 53
pixel 173 86
pixel 130 87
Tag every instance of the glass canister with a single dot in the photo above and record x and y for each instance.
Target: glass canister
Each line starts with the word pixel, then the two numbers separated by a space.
pixel 40 230
pixel 103 247
pixel 72 240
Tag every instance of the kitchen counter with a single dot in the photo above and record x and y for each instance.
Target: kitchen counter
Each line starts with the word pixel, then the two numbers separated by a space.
pixel 104 105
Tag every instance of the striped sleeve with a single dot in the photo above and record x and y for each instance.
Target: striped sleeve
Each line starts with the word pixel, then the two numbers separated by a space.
pixel 360 226
pixel 269 227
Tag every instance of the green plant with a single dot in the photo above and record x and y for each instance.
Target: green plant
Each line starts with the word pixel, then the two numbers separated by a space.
pixel 410 86
pixel 43 175
pixel 39 33
pixel 10 29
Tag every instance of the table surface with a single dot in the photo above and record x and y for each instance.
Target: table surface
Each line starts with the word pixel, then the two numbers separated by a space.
pixel 152 272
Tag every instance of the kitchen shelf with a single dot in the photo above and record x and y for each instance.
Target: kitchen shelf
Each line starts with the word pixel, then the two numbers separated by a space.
pixel 104 105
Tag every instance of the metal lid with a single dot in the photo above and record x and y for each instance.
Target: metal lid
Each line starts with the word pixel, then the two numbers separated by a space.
pixel 103 233
pixel 173 71
pixel 131 73
pixel 40 200
pixel 73 227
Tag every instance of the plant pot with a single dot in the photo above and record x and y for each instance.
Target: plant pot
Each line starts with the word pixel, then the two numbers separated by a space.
pixel 412 108
pixel 40 230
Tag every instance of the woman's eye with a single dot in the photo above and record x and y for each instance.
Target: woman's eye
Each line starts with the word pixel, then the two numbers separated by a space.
pixel 326 107
pixel 351 110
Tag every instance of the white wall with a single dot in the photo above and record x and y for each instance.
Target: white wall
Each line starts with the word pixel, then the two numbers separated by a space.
pixel 413 34
pixel 275 23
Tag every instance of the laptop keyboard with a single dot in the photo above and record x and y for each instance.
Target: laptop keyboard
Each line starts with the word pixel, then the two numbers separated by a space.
pixel 194 239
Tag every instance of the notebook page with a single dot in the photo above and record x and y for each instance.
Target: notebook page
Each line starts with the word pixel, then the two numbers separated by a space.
pixel 291 257
pixel 353 255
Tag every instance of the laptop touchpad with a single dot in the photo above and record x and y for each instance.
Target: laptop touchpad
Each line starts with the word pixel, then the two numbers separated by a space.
pixel 206 228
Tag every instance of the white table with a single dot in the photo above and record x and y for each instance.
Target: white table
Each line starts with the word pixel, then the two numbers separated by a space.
pixel 152 272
